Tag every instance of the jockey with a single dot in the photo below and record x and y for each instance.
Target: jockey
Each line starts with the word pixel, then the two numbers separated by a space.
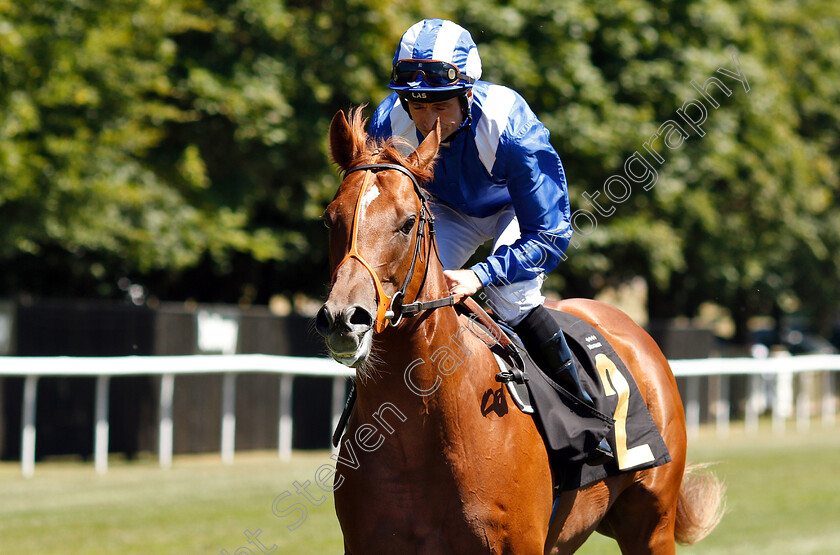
pixel 497 178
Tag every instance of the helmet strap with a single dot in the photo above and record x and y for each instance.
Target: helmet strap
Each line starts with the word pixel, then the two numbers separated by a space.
pixel 404 103
pixel 466 102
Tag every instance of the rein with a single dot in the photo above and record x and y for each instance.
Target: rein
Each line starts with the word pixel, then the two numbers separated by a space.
pixel 390 309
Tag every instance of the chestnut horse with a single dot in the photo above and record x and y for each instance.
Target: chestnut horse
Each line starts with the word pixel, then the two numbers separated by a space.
pixel 424 466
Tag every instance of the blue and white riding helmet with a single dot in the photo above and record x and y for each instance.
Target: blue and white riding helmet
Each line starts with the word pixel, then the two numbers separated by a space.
pixel 436 60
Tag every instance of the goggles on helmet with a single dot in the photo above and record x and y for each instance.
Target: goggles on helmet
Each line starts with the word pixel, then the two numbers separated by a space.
pixel 435 73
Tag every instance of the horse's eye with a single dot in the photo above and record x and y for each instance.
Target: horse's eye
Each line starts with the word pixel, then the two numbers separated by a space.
pixel 408 225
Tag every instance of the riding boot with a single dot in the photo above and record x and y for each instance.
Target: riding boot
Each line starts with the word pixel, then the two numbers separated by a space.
pixel 546 343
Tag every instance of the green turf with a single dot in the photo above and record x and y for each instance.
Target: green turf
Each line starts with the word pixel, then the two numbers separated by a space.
pixel 198 506
pixel 783 493
pixel 784 498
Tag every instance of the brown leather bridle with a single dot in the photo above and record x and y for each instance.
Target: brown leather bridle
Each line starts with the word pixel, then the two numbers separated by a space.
pixel 390 309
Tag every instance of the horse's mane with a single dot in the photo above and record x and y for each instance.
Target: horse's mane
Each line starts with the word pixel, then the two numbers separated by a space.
pixel 367 149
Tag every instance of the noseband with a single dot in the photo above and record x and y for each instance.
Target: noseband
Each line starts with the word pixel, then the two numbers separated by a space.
pixel 391 309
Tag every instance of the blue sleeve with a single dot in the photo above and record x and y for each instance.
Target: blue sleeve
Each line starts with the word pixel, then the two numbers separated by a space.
pixel 537 185
pixel 380 123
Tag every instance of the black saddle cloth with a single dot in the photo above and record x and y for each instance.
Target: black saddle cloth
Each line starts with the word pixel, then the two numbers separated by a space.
pixel 572 429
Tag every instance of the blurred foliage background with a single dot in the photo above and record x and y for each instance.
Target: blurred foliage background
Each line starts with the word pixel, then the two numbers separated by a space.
pixel 181 144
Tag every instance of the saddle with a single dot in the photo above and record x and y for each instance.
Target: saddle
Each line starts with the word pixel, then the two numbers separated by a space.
pixel 570 428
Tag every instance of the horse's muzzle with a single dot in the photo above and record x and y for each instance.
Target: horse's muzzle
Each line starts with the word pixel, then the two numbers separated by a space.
pixel 346 332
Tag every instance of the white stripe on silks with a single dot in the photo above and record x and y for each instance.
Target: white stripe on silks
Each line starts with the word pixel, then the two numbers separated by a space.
pixel 409 38
pixel 494 118
pixel 447 38
pixel 473 68
pixel 403 126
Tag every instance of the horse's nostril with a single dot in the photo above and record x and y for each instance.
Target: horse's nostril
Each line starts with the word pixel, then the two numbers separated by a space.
pixel 323 321
pixel 358 316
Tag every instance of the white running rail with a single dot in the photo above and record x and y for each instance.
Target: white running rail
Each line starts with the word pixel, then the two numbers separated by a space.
pixel 104 368
pixel 770 378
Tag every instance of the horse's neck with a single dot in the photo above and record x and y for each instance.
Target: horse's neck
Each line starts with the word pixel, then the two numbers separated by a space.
pixel 427 370
pixel 413 359
pixel 423 381
pixel 418 338
pixel 416 357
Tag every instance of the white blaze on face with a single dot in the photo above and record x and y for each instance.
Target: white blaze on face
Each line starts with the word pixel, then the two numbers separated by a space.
pixel 370 195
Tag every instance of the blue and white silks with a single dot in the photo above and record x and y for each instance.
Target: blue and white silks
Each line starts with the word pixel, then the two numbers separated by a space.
pixel 500 159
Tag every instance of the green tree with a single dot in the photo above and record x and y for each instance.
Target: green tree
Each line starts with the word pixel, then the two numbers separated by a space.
pixel 182 143
pixel 87 97
pixel 179 143
pixel 744 215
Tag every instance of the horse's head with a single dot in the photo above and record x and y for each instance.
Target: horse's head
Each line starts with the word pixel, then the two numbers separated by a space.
pixel 379 240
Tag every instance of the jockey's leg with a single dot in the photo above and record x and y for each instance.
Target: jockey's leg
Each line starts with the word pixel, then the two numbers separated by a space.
pixel 546 343
pixel 521 305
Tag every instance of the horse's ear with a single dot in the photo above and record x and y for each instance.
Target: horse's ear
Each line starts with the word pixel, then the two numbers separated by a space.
pixel 428 149
pixel 341 140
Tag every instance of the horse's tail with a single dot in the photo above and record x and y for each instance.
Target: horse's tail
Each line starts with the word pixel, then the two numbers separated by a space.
pixel 700 505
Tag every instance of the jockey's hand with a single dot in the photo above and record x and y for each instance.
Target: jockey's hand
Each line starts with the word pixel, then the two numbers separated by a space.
pixel 462 283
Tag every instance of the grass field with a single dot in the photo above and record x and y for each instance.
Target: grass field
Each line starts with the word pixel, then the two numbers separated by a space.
pixel 784 498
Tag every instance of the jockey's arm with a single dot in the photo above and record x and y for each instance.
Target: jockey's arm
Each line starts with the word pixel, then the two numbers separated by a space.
pixel 537 185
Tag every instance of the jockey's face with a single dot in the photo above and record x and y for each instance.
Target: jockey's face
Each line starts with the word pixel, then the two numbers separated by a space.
pixel 448 111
